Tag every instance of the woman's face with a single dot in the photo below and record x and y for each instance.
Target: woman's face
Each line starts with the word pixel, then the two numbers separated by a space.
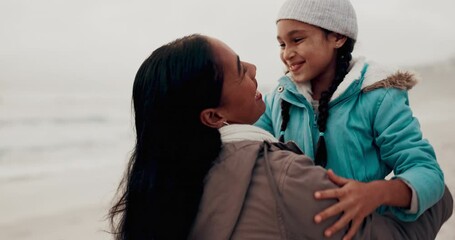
pixel 241 102
pixel 307 51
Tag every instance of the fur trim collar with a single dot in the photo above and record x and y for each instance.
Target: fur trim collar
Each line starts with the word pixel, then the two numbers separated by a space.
pixel 400 80
pixel 376 76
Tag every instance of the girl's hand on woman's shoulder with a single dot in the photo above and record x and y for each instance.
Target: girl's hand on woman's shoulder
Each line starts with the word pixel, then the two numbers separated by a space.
pixel 356 200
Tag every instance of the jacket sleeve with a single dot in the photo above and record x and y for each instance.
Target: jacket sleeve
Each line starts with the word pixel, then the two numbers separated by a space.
pixel 300 182
pixel 302 179
pixel 265 121
pixel 427 226
pixel 401 147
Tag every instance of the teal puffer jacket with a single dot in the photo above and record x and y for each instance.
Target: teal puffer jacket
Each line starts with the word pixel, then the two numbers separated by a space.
pixel 371 131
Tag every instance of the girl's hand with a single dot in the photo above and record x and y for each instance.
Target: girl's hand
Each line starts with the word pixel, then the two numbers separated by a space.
pixel 356 201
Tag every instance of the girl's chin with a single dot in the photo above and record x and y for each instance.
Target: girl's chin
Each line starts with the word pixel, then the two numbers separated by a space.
pixel 299 78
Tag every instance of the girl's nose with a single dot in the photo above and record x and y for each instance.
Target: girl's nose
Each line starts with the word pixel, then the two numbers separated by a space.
pixel 288 52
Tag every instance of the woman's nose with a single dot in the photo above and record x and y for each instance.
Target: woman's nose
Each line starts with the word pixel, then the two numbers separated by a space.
pixel 253 71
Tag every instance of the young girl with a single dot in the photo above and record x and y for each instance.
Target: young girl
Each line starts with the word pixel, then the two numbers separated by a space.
pixel 200 170
pixel 349 115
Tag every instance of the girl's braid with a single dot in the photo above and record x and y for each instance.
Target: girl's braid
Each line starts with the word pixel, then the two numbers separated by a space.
pixel 343 58
pixel 285 106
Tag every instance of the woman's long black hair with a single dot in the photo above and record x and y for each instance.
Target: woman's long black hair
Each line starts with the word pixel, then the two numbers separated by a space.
pixel 162 187
pixel 343 59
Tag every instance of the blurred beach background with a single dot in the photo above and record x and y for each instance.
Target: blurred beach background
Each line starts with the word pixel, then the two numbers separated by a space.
pixel 67 68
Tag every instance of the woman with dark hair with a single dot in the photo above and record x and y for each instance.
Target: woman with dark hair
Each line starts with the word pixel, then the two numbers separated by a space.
pixel 174 150
pixel 200 170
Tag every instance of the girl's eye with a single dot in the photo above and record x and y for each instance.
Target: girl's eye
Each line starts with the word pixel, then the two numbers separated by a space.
pixel 296 40
pixel 282 45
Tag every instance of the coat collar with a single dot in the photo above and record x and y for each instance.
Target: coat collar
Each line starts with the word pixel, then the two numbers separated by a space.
pixel 241 132
pixel 362 76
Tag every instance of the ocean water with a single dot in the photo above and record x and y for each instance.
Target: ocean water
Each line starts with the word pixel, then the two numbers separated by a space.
pixel 51 128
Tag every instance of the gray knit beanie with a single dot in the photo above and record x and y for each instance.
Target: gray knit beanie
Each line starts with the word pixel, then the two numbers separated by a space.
pixel 334 15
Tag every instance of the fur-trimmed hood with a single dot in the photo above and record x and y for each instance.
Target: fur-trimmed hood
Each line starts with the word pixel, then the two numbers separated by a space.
pixel 402 80
pixel 374 76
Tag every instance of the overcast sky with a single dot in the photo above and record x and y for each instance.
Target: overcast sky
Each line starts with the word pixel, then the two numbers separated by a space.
pixel 100 40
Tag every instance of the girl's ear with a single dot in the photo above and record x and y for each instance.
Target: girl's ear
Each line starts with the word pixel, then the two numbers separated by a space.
pixel 212 118
pixel 338 39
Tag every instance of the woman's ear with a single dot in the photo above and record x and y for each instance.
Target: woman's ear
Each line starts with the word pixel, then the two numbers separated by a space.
pixel 212 118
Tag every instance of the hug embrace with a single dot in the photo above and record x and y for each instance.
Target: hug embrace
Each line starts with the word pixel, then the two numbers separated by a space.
pixel 214 159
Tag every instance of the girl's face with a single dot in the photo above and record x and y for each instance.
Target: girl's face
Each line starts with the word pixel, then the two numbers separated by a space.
pixel 307 51
pixel 241 102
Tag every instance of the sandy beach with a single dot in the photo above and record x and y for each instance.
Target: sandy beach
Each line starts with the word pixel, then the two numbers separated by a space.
pixel 62 155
